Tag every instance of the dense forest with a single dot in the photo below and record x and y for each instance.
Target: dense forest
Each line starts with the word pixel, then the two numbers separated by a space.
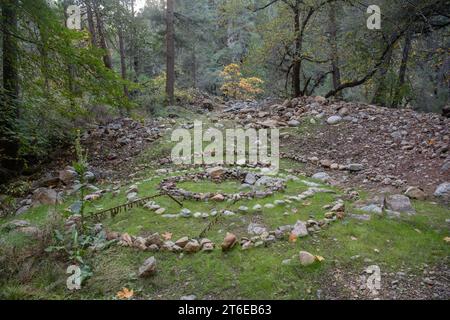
pixel 128 55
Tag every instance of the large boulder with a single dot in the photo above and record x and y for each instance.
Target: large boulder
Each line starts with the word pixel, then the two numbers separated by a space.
pixel 399 203
pixel 443 191
pixel 45 196
pixel 415 193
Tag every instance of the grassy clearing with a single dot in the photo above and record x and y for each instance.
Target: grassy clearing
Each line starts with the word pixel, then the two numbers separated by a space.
pixel 259 273
pixel 255 274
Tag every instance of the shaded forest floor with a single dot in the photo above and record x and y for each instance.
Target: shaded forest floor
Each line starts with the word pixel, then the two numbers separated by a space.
pixel 410 250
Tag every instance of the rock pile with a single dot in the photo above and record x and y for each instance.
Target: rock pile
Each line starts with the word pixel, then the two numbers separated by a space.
pixel 379 146
pixel 262 187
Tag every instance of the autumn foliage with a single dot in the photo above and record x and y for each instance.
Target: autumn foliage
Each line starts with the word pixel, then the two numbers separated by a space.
pixel 236 86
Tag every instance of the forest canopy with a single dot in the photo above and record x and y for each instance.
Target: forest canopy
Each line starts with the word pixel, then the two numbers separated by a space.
pixel 126 57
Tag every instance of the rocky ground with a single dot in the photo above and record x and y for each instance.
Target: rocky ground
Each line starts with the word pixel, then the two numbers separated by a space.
pixel 394 155
pixel 389 148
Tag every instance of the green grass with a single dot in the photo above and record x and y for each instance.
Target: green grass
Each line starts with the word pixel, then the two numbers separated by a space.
pixel 254 274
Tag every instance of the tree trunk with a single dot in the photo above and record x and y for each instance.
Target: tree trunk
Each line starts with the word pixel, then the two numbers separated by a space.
pixel 170 42
pixel 194 66
pixel 336 72
pixel 123 61
pixel 101 33
pixel 91 24
pixel 402 72
pixel 296 64
pixel 380 96
pixel 134 45
pixel 9 109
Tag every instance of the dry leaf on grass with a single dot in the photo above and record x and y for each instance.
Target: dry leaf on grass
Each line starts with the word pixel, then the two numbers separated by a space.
pixel 167 236
pixel 125 294
pixel 293 238
pixel 320 258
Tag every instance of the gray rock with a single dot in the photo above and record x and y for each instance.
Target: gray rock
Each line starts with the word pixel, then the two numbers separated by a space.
pixel 45 196
pixel 399 203
pixel 133 196
pixel 16 224
pixel 372 208
pixel 243 209
pixel 22 210
pixel 355 167
pixel 306 258
pixel 250 179
pixel 300 230
pixel 294 123
pixel 68 176
pixel 334 120
pixel 189 298
pixel 148 268
pixel 322 176
pixel 443 191
pixel 257 207
pixel 89 177
pixel 255 228
pixel 185 213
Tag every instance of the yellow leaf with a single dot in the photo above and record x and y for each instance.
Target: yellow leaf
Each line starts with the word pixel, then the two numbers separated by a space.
pixel 320 258
pixel 125 294
pixel 167 235
pixel 293 238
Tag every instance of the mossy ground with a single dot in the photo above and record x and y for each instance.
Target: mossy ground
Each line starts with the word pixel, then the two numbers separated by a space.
pixel 254 274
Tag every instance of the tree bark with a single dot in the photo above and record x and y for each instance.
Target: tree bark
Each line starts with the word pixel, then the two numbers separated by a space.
pixel 402 72
pixel 91 24
pixel 123 61
pixel 380 96
pixel 170 42
pixel 9 108
pixel 336 72
pixel 296 65
pixel 101 33
pixel 194 66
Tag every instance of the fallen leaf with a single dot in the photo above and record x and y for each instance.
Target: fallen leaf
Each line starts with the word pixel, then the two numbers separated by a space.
pixel 167 235
pixel 125 294
pixel 447 239
pixel 293 238
pixel 320 258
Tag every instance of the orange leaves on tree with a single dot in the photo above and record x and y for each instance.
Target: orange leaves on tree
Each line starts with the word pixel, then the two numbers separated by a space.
pixel 237 87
